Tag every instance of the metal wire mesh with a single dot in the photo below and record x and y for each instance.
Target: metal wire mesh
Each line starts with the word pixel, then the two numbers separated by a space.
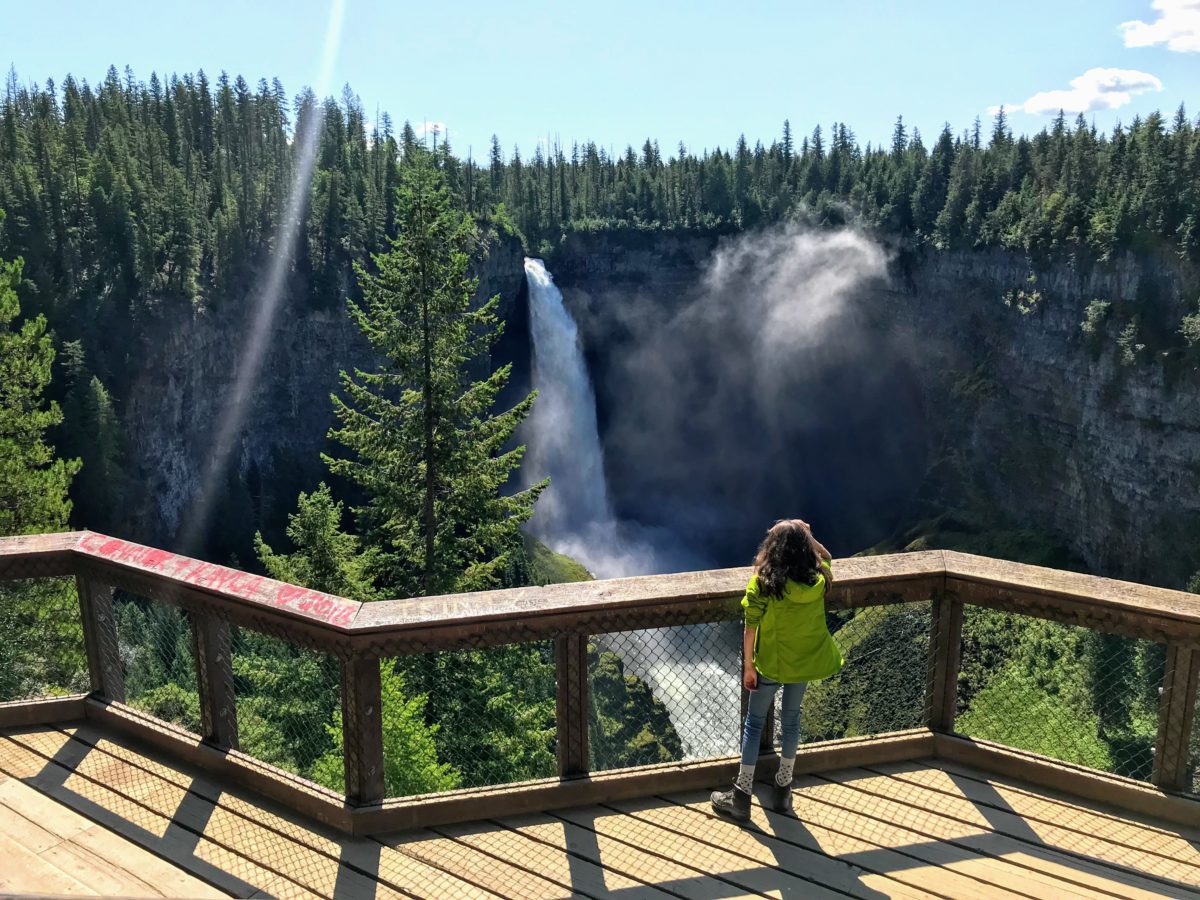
pixel 1061 691
pixel 41 640
pixel 154 643
pixel 288 706
pixel 664 694
pixel 882 687
pixel 1192 783
pixel 468 718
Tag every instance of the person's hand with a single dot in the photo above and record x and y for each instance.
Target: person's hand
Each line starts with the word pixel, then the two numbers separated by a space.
pixel 750 678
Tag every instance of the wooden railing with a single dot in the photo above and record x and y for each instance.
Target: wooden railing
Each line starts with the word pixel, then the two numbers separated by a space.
pixel 359 635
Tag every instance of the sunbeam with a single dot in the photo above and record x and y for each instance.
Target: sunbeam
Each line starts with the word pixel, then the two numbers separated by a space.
pixel 267 295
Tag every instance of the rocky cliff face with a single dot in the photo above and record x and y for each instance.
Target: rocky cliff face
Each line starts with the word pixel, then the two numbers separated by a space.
pixel 182 388
pixel 1085 436
pixel 1014 404
pixel 1019 411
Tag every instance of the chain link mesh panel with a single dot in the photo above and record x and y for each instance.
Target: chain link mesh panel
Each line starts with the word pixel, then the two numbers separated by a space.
pixel 1192 783
pixel 41 640
pixel 882 687
pixel 1060 690
pixel 664 694
pixel 468 718
pixel 289 706
pixel 154 644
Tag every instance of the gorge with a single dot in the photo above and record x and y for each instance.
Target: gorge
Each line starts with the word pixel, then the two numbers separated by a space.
pixel 926 394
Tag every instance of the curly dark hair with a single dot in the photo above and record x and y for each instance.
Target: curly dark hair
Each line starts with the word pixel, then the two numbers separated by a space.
pixel 787 552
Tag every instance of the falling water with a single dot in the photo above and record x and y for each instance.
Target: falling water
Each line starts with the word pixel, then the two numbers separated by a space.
pixel 692 669
pixel 564 419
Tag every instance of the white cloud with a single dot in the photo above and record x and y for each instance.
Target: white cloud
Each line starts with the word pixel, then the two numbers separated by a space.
pixel 1177 26
pixel 1095 89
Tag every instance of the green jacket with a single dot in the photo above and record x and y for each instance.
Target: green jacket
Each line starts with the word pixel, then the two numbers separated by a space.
pixel 793 642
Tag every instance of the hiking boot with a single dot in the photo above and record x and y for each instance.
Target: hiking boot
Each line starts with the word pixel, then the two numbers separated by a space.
pixel 779 798
pixel 734 803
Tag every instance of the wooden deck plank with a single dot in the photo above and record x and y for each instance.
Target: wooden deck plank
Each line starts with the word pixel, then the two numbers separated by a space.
pixel 897 853
pixel 24 872
pixel 40 824
pixel 702 855
pixel 397 871
pixel 975 833
pixel 107 877
pixel 1121 825
pixel 631 861
pixel 479 868
pixel 549 859
pixel 763 849
pixel 948 799
pixel 204 858
pixel 314 871
pixel 56 820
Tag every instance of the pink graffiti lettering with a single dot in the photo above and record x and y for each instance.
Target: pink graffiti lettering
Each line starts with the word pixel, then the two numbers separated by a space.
pixel 242 585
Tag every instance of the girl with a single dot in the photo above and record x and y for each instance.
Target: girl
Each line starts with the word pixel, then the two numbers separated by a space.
pixel 786 642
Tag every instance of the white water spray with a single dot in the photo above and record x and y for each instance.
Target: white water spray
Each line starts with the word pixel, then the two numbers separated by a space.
pixel 564 418
pixel 692 669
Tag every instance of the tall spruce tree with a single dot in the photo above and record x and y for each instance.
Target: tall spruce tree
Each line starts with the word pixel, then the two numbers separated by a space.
pixel 41 649
pixel 33 483
pixel 426 449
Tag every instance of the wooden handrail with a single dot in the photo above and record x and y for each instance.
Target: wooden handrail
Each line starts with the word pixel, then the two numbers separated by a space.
pixel 360 635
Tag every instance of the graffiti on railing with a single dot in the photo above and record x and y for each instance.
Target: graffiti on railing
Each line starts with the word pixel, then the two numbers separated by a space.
pixel 309 603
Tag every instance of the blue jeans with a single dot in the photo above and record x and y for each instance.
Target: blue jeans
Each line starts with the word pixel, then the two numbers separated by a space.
pixel 756 716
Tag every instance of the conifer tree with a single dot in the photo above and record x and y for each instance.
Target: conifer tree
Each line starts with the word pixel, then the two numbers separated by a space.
pixel 33 483
pixel 426 449
pixel 41 649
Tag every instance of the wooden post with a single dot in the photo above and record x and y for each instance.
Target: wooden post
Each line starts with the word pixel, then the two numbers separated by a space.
pixel 571 704
pixel 212 648
pixel 1176 712
pixel 362 730
pixel 100 638
pixel 945 652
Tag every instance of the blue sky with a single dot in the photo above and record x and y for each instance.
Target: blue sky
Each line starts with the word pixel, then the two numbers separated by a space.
pixel 617 72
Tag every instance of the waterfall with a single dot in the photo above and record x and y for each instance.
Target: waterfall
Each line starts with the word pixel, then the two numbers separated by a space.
pixel 565 442
pixel 693 669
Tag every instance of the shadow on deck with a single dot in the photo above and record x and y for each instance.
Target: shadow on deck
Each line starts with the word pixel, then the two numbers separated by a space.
pixel 88 811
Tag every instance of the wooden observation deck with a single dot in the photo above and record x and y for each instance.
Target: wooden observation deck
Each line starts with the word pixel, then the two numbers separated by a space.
pixel 98 796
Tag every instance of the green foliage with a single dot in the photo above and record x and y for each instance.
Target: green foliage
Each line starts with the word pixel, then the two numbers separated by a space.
pixel 882 686
pixel 410 759
pixel 41 644
pixel 41 640
pixel 1190 329
pixel 548 567
pixel 1094 317
pixel 494 708
pixel 155 646
pixel 1022 300
pixel 325 558
pixel 1128 345
pixel 1066 692
pixel 287 697
pixel 627 724
pixel 426 449
pixel 172 703
pixel 33 482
